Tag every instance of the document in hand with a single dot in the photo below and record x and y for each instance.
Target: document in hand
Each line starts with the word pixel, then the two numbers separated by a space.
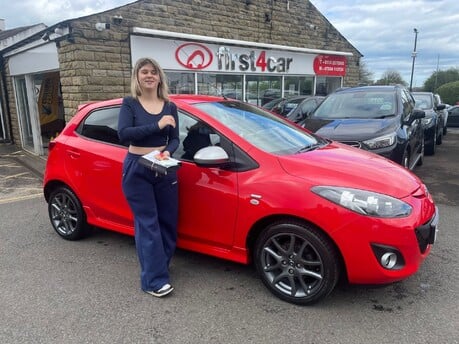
pixel 158 163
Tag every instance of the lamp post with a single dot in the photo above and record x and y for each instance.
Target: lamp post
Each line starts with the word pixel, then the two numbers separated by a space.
pixel 413 55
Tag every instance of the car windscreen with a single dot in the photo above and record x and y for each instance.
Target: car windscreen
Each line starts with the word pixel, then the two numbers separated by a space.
pixel 359 104
pixel 260 128
pixel 423 101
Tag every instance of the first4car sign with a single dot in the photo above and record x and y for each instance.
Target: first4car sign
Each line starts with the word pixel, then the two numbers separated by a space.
pixel 251 61
pixel 207 57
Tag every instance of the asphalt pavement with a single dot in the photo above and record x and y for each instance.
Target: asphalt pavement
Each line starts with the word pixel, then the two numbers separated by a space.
pixel 56 291
pixel 19 173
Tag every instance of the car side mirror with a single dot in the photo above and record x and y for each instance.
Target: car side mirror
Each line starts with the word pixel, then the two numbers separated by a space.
pixel 441 107
pixel 211 156
pixel 417 114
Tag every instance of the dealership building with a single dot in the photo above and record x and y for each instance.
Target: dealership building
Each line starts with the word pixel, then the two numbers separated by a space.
pixel 253 50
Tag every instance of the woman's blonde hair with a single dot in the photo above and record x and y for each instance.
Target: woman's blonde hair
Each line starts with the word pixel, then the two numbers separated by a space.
pixel 163 88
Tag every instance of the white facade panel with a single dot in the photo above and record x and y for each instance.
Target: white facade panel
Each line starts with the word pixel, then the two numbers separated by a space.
pixel 35 60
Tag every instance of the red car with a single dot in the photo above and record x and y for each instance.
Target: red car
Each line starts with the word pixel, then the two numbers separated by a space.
pixel 254 188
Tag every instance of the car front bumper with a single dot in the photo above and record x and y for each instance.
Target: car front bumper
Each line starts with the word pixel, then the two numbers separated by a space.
pixel 381 251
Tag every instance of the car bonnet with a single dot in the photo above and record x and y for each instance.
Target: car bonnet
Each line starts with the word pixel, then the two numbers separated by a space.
pixel 352 129
pixel 341 165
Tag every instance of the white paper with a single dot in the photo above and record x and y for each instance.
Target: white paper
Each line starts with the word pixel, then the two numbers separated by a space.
pixel 169 162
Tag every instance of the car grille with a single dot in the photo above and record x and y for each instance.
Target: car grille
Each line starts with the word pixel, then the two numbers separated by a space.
pixel 352 143
pixel 426 233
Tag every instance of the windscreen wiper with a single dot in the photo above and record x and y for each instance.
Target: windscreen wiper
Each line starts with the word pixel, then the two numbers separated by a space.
pixel 309 148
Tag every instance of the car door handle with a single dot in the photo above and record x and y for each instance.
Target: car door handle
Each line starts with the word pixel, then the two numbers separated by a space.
pixel 73 154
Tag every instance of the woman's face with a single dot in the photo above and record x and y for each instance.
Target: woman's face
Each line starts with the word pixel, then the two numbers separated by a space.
pixel 148 77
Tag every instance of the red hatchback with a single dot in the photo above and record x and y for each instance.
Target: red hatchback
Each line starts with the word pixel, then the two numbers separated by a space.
pixel 254 188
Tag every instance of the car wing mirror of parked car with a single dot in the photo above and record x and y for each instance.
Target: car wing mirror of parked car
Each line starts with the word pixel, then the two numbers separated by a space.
pixel 212 156
pixel 417 114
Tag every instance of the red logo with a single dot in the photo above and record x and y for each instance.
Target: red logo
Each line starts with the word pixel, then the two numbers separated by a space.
pixel 330 65
pixel 193 56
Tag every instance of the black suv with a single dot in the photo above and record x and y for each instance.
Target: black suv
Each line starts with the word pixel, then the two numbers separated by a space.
pixel 380 119
pixel 433 122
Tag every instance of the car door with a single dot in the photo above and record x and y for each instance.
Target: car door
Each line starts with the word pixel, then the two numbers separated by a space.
pixel 96 158
pixel 208 195
pixel 453 117
pixel 414 130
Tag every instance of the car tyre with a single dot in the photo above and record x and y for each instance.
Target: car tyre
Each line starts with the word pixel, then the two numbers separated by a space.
pixel 66 214
pixel 440 138
pixel 431 147
pixel 406 159
pixel 296 262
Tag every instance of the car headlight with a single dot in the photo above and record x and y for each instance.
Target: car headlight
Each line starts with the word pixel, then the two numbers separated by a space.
pixel 380 142
pixel 427 121
pixel 364 202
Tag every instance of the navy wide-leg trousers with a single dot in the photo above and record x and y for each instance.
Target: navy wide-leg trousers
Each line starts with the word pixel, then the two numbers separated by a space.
pixel 154 202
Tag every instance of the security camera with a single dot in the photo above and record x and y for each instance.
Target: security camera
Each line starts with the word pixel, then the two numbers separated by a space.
pixel 45 36
pixel 102 26
pixel 117 20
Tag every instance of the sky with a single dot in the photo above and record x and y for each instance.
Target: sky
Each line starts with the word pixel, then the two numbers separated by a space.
pixel 382 30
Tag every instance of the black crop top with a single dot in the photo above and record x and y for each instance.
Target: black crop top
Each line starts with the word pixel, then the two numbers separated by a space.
pixel 138 127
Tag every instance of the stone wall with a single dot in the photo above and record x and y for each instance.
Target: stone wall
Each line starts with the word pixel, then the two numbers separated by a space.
pixel 95 65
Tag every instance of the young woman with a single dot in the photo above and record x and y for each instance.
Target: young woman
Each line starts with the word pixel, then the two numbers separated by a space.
pixel 148 121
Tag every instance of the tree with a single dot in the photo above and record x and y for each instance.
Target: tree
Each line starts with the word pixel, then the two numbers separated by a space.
pixel 439 78
pixel 365 76
pixel 449 92
pixel 391 77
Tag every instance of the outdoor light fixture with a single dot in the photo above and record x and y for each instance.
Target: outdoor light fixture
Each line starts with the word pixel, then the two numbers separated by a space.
pixel 59 31
pixel 413 55
pixel 117 20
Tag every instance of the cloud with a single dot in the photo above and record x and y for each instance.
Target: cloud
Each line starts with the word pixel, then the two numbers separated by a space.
pixel 383 32
pixel 30 12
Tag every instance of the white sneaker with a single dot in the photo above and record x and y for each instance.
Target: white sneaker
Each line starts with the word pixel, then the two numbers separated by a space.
pixel 163 291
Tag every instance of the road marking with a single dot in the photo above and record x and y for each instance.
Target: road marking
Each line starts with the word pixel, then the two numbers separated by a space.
pixel 16 175
pixel 21 198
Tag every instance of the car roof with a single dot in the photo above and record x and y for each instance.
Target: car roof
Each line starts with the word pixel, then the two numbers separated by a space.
pixel 184 98
pixel 369 88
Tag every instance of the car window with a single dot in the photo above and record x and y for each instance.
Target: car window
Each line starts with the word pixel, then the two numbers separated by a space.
pixel 101 125
pixel 423 101
pixel 407 104
pixel 260 128
pixel 194 135
pixel 360 104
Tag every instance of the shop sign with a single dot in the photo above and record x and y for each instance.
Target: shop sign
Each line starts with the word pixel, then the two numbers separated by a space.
pixel 198 56
pixel 176 55
pixel 330 65
pixel 252 61
pixel 193 56
pixel 48 101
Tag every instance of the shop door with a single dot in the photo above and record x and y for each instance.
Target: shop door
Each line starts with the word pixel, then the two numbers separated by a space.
pixel 29 124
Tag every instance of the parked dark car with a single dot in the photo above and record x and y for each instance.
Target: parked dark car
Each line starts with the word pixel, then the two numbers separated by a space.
pixel 270 94
pixel 287 105
pixel 445 113
pixel 303 110
pixel 379 119
pixel 433 121
pixel 271 104
pixel 453 116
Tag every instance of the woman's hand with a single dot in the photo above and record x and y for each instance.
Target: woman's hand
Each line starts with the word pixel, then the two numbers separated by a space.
pixel 165 121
